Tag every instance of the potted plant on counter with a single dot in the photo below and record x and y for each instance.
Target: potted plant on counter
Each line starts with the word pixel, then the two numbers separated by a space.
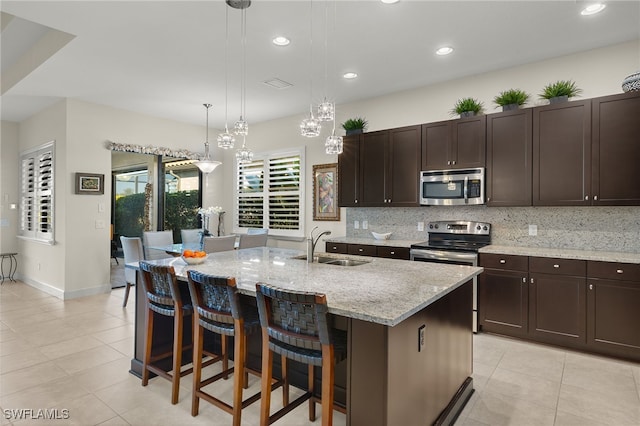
pixel 511 99
pixel 354 125
pixel 467 107
pixel 560 91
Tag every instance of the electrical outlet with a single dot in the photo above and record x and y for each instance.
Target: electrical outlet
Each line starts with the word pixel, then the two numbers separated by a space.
pixel 421 337
pixel 365 224
pixel 356 224
pixel 533 230
pixel 420 226
pixel 38 266
pixel 100 207
pixel 99 224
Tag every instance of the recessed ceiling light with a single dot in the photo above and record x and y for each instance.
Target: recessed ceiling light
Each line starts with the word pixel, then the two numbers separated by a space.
pixel 592 9
pixel 444 50
pixel 350 75
pixel 390 1
pixel 281 41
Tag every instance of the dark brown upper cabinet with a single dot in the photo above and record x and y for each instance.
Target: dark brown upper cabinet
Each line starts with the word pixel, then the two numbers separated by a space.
pixel 562 154
pixel 509 164
pixel 616 149
pixel 454 144
pixel 372 168
pixel 403 167
pixel 349 172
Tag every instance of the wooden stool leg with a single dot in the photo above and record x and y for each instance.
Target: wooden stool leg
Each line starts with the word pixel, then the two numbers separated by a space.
pixel 198 343
pixel 244 363
pixel 265 397
pixel 238 370
pixel 177 356
pixel 148 338
pixel 285 381
pixel 328 363
pixel 312 402
pixel 225 354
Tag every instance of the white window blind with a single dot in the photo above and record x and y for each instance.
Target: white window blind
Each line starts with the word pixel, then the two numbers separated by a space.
pixel 37 193
pixel 269 193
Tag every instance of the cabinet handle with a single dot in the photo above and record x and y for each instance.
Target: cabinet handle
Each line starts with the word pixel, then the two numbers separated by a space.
pixel 586 197
pixel 356 201
pixel 393 252
pixel 524 280
pixel 556 266
pixel 389 200
pixel 619 271
pixel 449 163
pixel 453 162
pixel 360 249
pixel 531 280
pixel 335 248
pixel 590 286
pixel 595 198
pixel 503 261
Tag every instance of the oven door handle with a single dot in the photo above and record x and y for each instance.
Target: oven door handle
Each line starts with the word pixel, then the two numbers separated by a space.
pixel 444 255
pixel 466 189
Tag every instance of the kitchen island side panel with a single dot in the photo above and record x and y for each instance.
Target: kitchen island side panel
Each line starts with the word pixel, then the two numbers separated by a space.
pixel 394 383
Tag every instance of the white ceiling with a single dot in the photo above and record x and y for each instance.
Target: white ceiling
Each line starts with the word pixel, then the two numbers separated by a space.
pixel 166 58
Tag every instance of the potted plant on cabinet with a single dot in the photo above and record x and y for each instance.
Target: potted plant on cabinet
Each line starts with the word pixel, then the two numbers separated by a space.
pixel 511 99
pixel 467 107
pixel 560 91
pixel 354 125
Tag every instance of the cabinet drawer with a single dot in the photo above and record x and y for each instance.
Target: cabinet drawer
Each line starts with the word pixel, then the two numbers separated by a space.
pixel 362 250
pixel 552 265
pixel 335 247
pixel 504 261
pixel 393 252
pixel 613 271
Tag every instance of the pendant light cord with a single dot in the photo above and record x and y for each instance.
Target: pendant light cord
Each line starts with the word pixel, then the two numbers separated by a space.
pixel 226 69
pixel 243 90
pixel 311 57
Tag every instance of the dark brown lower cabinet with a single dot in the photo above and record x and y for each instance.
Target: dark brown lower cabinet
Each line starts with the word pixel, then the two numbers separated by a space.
pixel 368 250
pixel 585 305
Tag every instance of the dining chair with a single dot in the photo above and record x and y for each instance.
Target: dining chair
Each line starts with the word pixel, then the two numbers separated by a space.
pixel 248 241
pixel 132 249
pixel 216 244
pixel 297 325
pixel 190 236
pixel 156 239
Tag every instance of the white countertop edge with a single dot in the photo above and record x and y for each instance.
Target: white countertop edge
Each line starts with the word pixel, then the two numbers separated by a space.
pixel 373 242
pixel 563 253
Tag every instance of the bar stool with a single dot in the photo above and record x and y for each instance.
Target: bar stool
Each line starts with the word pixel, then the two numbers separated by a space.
pixel 217 308
pixel 163 298
pixel 296 326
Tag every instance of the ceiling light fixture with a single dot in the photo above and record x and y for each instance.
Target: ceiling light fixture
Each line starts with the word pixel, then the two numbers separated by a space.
pixel 350 75
pixel 592 9
pixel 390 1
pixel 281 41
pixel 206 164
pixel 226 140
pixel 445 50
pixel 310 126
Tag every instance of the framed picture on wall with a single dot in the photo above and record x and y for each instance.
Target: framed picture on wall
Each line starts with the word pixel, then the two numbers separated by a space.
pixel 325 192
pixel 89 183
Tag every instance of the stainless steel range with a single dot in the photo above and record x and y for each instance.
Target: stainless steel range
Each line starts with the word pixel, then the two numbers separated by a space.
pixel 456 243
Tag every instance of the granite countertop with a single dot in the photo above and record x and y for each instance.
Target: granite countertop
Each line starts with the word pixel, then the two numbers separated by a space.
pixel 374 242
pixel 383 291
pixel 562 253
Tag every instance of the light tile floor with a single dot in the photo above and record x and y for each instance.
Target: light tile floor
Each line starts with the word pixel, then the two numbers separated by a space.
pixel 75 355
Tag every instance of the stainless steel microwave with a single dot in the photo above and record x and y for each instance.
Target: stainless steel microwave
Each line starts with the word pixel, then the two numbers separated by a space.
pixel 452 187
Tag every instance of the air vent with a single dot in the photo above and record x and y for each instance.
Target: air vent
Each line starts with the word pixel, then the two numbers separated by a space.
pixel 276 83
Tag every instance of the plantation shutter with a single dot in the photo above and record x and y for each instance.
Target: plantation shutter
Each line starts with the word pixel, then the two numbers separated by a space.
pixel 37 194
pixel 284 193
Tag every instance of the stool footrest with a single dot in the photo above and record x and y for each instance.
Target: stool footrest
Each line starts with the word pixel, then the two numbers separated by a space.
pixel 290 407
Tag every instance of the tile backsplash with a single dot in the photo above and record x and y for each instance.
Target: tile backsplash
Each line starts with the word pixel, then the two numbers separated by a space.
pixel 586 228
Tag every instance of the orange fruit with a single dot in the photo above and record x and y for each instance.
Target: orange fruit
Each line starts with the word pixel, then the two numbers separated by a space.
pixel 188 253
pixel 200 254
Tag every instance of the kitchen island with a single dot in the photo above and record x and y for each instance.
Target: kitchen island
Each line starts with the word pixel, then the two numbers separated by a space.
pixel 409 327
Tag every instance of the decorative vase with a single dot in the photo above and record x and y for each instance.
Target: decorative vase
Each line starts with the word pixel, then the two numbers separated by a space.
pixel 465 114
pixel 631 82
pixel 510 107
pixel 558 99
pixel 354 131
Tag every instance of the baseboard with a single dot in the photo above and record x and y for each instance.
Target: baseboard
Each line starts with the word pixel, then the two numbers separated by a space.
pixel 47 288
pixel 66 295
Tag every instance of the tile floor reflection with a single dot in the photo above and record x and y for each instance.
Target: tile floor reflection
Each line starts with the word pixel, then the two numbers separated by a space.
pixel 75 355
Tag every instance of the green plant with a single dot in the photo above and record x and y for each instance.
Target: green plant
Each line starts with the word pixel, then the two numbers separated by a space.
pixel 355 123
pixel 511 96
pixel 560 88
pixel 467 105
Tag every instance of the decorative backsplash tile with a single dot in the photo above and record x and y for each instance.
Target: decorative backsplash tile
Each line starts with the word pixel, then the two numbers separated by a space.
pixel 584 228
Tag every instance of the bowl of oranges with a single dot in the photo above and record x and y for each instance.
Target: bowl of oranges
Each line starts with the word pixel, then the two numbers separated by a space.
pixel 194 257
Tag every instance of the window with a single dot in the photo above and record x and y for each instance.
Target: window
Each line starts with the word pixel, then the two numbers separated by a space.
pixel 36 193
pixel 269 193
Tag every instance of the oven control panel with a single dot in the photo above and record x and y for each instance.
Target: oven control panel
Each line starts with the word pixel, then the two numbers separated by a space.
pixel 459 227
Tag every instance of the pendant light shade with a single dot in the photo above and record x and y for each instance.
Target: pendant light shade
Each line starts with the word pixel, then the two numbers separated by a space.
pixel 206 164
pixel 226 140
pixel 244 154
pixel 326 111
pixel 333 144
pixel 241 127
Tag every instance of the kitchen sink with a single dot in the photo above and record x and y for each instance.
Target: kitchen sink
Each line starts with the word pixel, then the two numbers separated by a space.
pixel 333 260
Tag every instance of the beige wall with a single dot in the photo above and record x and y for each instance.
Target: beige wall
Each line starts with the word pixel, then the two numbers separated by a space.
pixel 79 262
pixel 8 187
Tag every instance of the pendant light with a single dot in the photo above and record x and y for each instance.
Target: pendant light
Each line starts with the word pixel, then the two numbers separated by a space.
pixel 206 164
pixel 241 127
pixel 310 126
pixel 333 143
pixel 326 109
pixel 226 140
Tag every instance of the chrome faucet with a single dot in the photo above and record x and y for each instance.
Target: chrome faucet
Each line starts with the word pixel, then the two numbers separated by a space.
pixel 311 243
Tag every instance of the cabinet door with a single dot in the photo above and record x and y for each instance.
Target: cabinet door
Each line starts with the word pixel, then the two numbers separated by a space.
pixel 335 247
pixel 562 154
pixel 436 146
pixel 468 142
pixel 349 172
pixel 613 324
pixel 361 249
pixel 393 252
pixel 503 302
pixel 372 166
pixel 402 181
pixel 616 151
pixel 509 164
pixel 557 309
